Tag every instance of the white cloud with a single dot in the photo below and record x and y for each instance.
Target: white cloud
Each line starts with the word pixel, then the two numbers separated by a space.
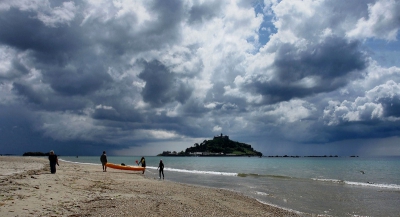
pixel 211 105
pixel 383 21
pixel 104 107
pixel 289 112
pixel 24 5
pixel 63 14
pixel 58 15
pixel 156 134
pixel 217 128
pixel 367 108
pixel 7 55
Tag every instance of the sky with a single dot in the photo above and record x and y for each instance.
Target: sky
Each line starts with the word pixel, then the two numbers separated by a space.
pixel 289 77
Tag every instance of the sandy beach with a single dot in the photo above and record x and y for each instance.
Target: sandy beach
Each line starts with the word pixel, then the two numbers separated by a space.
pixel 29 189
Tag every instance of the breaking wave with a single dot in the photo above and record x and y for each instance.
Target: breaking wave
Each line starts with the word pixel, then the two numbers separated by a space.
pixel 363 184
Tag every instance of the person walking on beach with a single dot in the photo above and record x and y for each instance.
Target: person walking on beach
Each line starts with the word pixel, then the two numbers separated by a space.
pixel 143 163
pixel 53 161
pixel 161 169
pixel 103 159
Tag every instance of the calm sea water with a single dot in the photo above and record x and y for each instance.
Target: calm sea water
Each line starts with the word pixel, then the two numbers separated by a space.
pixel 341 186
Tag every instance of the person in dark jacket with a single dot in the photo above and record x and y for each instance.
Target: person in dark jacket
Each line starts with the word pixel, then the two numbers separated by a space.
pixel 143 163
pixel 103 159
pixel 53 161
pixel 161 169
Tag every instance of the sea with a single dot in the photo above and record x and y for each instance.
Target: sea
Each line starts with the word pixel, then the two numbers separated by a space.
pixel 319 186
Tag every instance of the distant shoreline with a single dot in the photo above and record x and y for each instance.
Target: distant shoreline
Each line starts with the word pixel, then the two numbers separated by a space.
pixel 276 156
pixel 206 156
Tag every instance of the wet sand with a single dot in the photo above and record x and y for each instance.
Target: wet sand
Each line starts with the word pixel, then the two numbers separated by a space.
pixel 27 188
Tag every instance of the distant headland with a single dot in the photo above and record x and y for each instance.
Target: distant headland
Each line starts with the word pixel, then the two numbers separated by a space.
pixel 219 146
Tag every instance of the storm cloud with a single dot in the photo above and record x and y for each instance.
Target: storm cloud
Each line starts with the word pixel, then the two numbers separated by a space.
pixel 142 77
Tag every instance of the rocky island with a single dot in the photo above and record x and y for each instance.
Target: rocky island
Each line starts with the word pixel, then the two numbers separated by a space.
pixel 219 146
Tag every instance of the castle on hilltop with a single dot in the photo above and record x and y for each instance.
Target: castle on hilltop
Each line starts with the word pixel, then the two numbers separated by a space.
pixel 222 136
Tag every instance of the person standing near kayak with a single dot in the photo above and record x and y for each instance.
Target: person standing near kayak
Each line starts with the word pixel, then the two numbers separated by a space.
pixel 161 169
pixel 103 159
pixel 53 161
pixel 143 163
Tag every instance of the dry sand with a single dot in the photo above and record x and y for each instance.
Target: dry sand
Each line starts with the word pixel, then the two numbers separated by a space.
pixel 27 188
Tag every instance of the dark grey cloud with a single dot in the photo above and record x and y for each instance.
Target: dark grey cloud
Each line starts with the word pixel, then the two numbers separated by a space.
pixel 328 65
pixel 26 91
pixel 391 106
pixel 21 30
pixel 80 80
pixel 361 130
pixel 51 49
pixel 333 58
pixel 162 85
pixel 204 11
